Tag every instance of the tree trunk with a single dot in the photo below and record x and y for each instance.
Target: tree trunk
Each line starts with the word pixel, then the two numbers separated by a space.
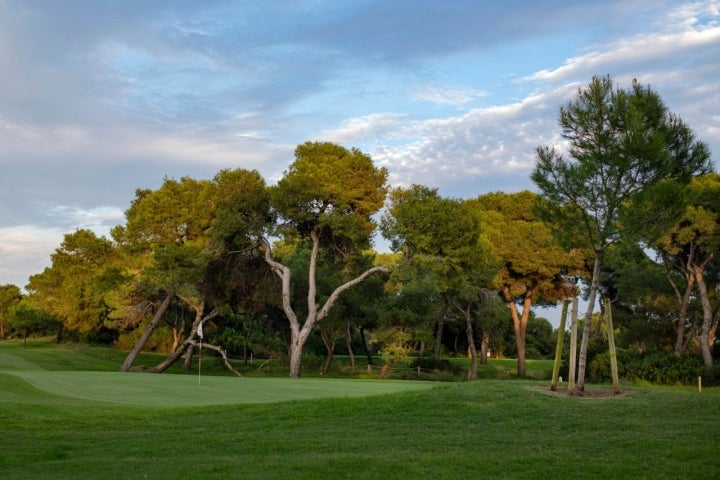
pixel 587 325
pixel 484 347
pixel 573 347
pixel 299 335
pixel 365 346
pixel 146 334
pixel 348 340
pixel 611 346
pixel 472 373
pixel 177 335
pixel 171 359
pixel 61 330
pixel 440 322
pixel 329 342
pixel 246 339
pixel 559 346
pixel 189 354
pixel 384 370
pixel 683 300
pixel 707 314
pixel 520 322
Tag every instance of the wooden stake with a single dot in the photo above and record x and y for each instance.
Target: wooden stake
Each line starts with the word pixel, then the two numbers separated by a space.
pixel 559 347
pixel 573 347
pixel 611 346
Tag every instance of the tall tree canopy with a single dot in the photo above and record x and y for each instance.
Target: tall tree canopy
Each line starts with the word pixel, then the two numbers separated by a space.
pixel 533 262
pixel 622 146
pixel 328 195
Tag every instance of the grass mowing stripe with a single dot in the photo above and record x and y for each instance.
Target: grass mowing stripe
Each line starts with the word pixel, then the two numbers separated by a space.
pixel 183 390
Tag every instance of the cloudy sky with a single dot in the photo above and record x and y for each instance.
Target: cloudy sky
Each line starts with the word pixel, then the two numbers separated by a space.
pixel 98 98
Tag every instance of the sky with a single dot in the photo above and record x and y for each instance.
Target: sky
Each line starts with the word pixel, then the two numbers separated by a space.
pixel 99 98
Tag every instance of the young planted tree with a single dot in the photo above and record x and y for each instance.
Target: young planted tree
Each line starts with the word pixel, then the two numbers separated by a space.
pixel 533 262
pixel 328 196
pixel 622 145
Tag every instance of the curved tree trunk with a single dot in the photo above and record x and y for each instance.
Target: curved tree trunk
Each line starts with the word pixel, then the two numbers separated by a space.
pixel 171 359
pixel 707 315
pixel 146 334
pixel 520 322
pixel 299 335
pixel 329 342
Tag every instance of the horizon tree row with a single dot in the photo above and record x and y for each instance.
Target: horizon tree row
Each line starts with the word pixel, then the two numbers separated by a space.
pixel 634 197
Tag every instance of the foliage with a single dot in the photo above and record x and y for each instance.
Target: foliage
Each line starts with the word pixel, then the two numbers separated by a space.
pixel 660 367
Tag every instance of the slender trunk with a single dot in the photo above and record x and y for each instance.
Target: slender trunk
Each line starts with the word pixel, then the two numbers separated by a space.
pixel 177 332
pixel 707 314
pixel 61 330
pixel 348 340
pixel 587 325
pixel 246 339
pixel 611 346
pixel 559 346
pixel 683 300
pixel 484 347
pixel 146 334
pixel 187 363
pixel 682 318
pixel 472 374
pixel 329 342
pixel 440 322
pixel 573 347
pixel 365 346
pixel 520 322
pixel 384 370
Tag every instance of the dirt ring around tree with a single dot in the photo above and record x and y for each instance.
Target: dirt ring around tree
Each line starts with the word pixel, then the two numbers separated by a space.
pixel 604 392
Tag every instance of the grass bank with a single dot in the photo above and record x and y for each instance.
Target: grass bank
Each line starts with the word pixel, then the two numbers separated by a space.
pixel 485 429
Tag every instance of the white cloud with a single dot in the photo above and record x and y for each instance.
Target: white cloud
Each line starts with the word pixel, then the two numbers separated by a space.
pixel 448 95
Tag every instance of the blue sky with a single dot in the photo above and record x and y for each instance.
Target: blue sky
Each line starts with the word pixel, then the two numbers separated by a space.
pixel 99 98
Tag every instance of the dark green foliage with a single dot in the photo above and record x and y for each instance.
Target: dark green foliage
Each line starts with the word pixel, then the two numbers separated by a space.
pixel 662 368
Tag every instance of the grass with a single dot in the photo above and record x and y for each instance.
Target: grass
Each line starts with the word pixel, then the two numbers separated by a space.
pixel 53 425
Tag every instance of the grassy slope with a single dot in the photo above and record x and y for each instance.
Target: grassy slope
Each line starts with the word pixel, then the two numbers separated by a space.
pixel 485 429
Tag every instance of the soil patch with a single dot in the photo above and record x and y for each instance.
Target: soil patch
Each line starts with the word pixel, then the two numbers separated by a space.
pixel 596 393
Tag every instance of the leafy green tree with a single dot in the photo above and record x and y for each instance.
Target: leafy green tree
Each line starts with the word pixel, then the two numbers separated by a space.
pixel 166 235
pixel 72 289
pixel 9 297
pixel 533 261
pixel 693 243
pixel 328 195
pixel 438 238
pixel 623 146
pixel 27 319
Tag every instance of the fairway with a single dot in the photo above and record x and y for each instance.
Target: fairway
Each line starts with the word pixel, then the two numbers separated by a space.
pixel 168 390
pixel 65 413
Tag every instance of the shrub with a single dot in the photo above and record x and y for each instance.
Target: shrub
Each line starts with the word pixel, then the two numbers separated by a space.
pixel 662 368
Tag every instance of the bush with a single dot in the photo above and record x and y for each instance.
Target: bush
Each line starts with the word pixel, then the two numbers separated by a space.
pixel 661 368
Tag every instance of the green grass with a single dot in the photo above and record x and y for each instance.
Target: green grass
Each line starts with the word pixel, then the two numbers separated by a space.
pixel 70 423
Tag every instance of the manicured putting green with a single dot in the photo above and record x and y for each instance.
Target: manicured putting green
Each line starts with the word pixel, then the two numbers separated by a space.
pixel 166 390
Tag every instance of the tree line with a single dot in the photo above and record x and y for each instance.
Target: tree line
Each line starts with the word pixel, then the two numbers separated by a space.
pixel 626 212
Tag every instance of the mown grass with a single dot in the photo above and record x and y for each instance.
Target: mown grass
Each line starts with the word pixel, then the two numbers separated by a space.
pixel 485 429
